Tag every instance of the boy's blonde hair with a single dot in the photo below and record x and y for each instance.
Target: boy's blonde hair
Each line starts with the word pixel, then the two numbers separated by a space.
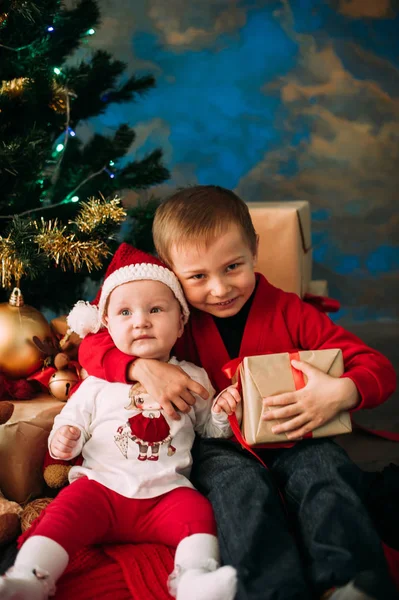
pixel 197 215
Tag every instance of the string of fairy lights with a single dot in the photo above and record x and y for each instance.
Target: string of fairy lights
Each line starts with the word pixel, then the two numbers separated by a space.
pixel 62 97
pixel 78 243
pixel 69 132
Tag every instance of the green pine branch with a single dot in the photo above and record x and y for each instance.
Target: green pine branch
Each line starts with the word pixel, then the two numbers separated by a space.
pixel 43 108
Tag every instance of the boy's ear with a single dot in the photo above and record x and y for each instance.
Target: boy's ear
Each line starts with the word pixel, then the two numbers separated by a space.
pixel 257 250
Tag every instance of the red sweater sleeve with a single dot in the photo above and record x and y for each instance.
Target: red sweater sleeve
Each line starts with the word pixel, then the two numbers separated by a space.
pixel 371 372
pixel 99 356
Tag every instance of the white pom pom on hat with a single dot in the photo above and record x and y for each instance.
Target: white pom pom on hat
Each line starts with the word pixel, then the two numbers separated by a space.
pixel 84 318
pixel 128 264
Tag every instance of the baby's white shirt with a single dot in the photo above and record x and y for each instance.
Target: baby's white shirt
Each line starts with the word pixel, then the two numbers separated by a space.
pixel 100 410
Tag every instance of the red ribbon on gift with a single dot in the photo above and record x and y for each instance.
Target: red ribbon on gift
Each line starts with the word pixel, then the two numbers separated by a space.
pixel 231 369
pixel 299 379
pixel 322 303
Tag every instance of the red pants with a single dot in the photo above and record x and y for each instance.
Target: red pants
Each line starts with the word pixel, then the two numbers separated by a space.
pixel 86 513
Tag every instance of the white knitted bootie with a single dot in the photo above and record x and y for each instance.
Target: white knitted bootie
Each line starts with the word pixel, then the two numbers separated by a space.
pixel 38 565
pixel 197 574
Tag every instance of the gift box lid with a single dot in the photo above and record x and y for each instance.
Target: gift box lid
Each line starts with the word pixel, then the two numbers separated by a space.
pixel 318 287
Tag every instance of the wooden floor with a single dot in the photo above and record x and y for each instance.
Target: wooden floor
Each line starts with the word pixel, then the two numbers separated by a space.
pixel 369 452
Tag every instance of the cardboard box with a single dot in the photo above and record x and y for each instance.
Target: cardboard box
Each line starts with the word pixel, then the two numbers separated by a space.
pixel 272 374
pixel 23 444
pixel 318 287
pixel 285 245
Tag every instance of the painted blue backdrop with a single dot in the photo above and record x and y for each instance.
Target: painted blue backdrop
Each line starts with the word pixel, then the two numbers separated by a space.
pixel 278 100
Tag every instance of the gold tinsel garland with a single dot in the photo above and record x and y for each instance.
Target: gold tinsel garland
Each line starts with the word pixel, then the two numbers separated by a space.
pixel 61 244
pixel 67 250
pixel 58 103
pixel 94 213
pixel 12 268
pixel 14 87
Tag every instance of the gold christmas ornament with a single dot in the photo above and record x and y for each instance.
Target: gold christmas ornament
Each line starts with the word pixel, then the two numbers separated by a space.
pixel 19 356
pixel 61 383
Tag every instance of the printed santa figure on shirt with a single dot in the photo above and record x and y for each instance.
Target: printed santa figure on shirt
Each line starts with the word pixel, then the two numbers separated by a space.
pixel 148 428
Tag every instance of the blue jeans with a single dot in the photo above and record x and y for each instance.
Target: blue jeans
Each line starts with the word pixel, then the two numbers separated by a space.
pixel 320 537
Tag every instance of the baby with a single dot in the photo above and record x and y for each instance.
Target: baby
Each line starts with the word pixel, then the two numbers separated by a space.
pixel 133 484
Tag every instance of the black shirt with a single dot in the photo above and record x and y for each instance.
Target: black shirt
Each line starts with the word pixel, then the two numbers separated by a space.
pixel 231 329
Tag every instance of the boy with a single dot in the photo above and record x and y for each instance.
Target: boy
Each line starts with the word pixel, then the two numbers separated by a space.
pixel 205 234
pixel 133 484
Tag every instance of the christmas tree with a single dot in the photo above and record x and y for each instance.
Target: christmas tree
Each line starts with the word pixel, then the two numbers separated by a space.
pixel 46 170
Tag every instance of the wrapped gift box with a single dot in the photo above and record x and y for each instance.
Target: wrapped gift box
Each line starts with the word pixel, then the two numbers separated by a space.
pixel 318 287
pixel 272 374
pixel 285 246
pixel 23 444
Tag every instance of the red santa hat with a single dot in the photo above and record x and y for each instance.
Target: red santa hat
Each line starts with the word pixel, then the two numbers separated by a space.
pixel 128 264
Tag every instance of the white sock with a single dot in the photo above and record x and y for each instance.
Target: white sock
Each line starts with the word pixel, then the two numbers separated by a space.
pixel 22 586
pixel 349 592
pixel 201 584
pixel 197 575
pixel 39 563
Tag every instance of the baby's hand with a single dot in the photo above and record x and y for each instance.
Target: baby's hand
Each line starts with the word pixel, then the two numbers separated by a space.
pixel 64 442
pixel 227 400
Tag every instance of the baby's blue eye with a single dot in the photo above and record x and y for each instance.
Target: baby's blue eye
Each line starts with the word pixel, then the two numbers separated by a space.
pixel 125 312
pixel 156 309
pixel 198 276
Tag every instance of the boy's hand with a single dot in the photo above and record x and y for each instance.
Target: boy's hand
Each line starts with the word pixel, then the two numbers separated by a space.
pixel 167 384
pixel 64 442
pixel 320 400
pixel 227 400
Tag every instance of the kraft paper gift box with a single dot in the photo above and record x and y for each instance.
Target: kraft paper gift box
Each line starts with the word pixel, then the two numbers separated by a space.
pixel 318 287
pixel 285 246
pixel 23 444
pixel 272 374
